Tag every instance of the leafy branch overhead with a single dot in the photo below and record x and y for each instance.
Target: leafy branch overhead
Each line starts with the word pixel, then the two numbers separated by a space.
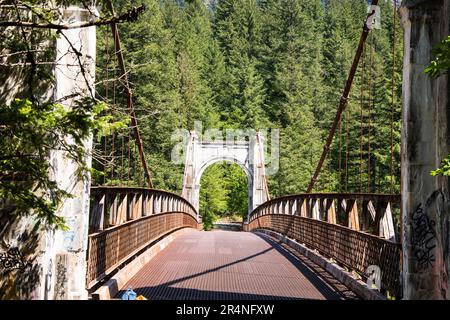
pixel 229 64
pixel 28 134
pixel 33 126
pixel 439 66
pixel 130 16
pixel 441 62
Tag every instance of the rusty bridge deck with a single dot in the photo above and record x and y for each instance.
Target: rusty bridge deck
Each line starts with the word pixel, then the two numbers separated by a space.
pixel 233 266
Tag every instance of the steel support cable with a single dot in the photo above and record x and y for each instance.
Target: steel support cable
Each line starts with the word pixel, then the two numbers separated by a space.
pixel 105 152
pixel 340 156
pixel 394 18
pixel 113 133
pixel 136 174
pixel 139 175
pixel 363 70
pixel 344 97
pixel 129 97
pixel 122 163
pixel 129 158
pixel 330 162
pixel 262 162
pixel 369 132
pixel 347 120
pixel 105 138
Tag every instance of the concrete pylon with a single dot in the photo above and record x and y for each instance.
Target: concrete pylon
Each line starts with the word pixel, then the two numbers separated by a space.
pixel 249 155
pixel 425 143
pixel 66 250
pixel 54 262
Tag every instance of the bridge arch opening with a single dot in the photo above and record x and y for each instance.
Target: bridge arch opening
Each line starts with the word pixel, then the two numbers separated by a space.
pixel 248 154
pixel 225 191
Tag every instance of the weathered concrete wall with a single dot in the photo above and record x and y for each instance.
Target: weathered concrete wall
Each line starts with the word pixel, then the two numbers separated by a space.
pixel 56 260
pixel 425 143
pixel 66 250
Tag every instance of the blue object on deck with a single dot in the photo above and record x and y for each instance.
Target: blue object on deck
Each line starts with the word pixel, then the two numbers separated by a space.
pixel 129 295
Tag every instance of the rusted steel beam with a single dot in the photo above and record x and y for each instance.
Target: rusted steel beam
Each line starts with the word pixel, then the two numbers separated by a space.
pixel 129 97
pixel 344 99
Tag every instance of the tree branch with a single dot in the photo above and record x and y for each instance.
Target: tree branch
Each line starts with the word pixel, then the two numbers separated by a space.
pixel 130 16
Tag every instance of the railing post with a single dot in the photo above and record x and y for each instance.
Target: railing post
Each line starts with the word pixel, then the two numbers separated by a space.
pixel 111 206
pixel 379 214
pixel 388 224
pixel 352 211
pixel 294 207
pixel 303 207
pixel 166 204
pixel 341 211
pixel 365 215
pixel 155 203
pixel 141 204
pixel 315 214
pixel 323 209
pixel 122 209
pixel 150 203
pixel 130 206
pixel 96 222
pixel 331 211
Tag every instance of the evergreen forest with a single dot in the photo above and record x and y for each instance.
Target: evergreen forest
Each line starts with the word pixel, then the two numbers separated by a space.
pixel 268 64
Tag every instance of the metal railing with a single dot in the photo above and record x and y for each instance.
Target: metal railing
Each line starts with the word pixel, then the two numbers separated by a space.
pixel 313 219
pixel 124 221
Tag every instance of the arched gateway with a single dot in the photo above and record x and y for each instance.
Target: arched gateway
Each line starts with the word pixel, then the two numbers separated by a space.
pixel 249 155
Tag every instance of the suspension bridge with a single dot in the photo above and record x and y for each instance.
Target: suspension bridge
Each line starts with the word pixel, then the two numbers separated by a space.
pixel 304 246
pixel 351 232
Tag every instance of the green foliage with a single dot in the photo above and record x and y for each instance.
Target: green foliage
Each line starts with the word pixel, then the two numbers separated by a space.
pixel 262 64
pixel 30 135
pixel 444 169
pixel 212 196
pixel 236 182
pixel 34 128
pixel 437 67
pixel 441 62
pixel 223 193
pixel 243 64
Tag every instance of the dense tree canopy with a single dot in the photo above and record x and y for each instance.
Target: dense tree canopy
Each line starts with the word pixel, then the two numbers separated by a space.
pixel 252 65
pixel 261 65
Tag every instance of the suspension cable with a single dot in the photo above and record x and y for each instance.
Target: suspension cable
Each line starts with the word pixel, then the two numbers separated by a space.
pixel 113 132
pixel 136 174
pixel 122 157
pixel 344 97
pixel 369 133
pixel 129 158
pixel 347 128
pixel 363 70
pixel 340 157
pixel 394 19
pixel 129 96
pixel 105 138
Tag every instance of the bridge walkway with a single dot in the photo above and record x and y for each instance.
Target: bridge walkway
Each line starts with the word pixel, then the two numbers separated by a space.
pixel 232 265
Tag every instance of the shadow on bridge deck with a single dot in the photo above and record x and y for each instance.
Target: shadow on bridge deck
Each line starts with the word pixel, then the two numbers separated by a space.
pixel 227 265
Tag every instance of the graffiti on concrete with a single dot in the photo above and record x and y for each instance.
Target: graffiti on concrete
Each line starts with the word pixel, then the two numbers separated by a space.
pixel 61 277
pixel 423 236
pixel 13 259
